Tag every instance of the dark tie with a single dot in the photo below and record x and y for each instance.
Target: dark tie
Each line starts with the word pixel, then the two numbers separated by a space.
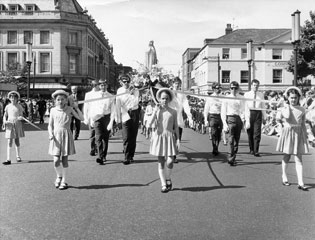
pixel 255 98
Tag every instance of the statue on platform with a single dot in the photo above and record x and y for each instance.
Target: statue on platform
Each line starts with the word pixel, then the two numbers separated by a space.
pixel 150 56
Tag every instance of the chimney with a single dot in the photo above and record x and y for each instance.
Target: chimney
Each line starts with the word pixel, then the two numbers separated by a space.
pixel 228 29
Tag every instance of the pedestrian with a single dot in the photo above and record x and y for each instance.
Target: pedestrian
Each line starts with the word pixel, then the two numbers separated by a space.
pixel 212 116
pixel 180 104
pixel 61 143
pixel 87 114
pixel 293 138
pixel 165 140
pixel 128 114
pixel 233 117
pixel 254 117
pixel 75 123
pixel 41 108
pixel 147 118
pixel 12 124
pixel 102 116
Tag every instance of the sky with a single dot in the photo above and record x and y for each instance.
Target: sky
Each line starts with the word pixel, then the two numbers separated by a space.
pixel 175 25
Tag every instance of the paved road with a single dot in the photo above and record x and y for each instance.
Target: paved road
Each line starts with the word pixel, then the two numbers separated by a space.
pixel 210 200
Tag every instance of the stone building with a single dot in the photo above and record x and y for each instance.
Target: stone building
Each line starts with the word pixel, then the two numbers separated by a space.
pixel 67 46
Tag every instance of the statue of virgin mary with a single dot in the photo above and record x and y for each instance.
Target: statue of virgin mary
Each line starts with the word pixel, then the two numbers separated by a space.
pixel 150 56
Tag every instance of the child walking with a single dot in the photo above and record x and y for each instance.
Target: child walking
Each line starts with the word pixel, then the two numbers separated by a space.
pixel 12 124
pixel 165 139
pixel 61 140
pixel 293 138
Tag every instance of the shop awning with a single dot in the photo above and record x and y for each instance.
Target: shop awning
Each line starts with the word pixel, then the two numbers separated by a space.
pixel 48 86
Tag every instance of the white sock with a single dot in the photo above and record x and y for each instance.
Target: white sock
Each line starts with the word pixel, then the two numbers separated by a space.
pixel 58 171
pixel 284 171
pixel 162 176
pixel 64 174
pixel 8 153
pixel 299 172
pixel 17 150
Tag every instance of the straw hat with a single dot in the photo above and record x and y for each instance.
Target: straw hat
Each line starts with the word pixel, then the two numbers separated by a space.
pixel 169 91
pixel 14 92
pixel 60 92
pixel 293 87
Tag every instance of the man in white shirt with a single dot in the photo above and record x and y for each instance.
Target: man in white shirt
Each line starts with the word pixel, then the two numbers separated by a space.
pixel 128 114
pixel 232 115
pixel 254 117
pixel 212 116
pixel 102 113
pixel 86 113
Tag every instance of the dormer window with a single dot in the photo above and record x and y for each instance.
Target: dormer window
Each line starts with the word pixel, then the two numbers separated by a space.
pixel 29 7
pixel 2 7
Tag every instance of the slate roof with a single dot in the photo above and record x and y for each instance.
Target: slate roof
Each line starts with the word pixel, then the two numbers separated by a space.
pixel 257 35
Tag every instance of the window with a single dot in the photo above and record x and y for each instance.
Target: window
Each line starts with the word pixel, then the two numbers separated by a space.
pixel 225 53
pixel 226 76
pixel 244 53
pixel 45 62
pixel 276 53
pixel 12 59
pixel 1 65
pixel 12 37
pixel 73 38
pixel 277 76
pixel 13 9
pixel 244 76
pixel 72 63
pixel 44 37
pixel 28 37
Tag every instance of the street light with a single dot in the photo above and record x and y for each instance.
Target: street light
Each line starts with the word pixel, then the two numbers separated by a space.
pixel 295 38
pixel 249 45
pixel 29 63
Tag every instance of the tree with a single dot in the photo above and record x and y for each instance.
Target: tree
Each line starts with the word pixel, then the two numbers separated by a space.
pixel 306 50
pixel 15 74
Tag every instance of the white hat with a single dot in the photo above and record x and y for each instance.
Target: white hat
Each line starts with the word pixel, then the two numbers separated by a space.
pixel 293 87
pixel 60 92
pixel 169 91
pixel 14 92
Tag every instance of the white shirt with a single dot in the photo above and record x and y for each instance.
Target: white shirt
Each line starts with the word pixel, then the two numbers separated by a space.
pixel 251 105
pixel 125 103
pixel 232 107
pixel 212 106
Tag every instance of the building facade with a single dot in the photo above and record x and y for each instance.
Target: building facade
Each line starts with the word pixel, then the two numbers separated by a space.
pixel 187 65
pixel 225 59
pixel 67 46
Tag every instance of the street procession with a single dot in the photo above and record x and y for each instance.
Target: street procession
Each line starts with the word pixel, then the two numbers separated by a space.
pixel 222 148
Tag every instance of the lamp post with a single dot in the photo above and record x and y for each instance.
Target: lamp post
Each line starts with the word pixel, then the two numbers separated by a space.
pixel 249 45
pixel 29 63
pixel 295 38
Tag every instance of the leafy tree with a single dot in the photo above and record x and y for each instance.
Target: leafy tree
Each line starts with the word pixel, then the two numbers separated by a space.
pixel 15 74
pixel 306 50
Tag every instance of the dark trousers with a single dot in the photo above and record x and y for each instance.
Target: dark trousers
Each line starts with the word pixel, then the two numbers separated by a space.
pixel 102 135
pixel 129 134
pixel 235 128
pixel 180 132
pixel 92 138
pixel 216 126
pixel 41 116
pixel 77 123
pixel 254 132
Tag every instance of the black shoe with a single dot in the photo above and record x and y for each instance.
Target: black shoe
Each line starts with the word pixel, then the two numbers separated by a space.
pixel 104 159
pixel 8 162
pixel 99 160
pixel 169 184
pixel 92 153
pixel 303 188
pixel 257 155
pixel 164 189
pixel 175 159
pixel 126 162
pixel 286 183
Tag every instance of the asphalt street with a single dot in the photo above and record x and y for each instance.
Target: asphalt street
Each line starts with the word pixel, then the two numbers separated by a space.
pixel 210 199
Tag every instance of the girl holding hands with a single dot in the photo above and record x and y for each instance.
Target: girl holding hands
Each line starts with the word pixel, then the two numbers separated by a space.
pixel 61 140
pixel 12 124
pixel 165 140
pixel 293 138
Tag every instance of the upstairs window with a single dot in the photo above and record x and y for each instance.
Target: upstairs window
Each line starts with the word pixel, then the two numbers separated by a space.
pixel 28 37
pixel 244 76
pixel 12 59
pixel 73 64
pixel 225 53
pixel 226 76
pixel 44 37
pixel 44 62
pixel 12 37
pixel 277 76
pixel 276 53
pixel 244 53
pixel 73 38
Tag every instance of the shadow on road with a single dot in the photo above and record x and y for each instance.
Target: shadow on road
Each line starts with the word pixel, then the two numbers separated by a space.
pixel 204 189
pixel 108 186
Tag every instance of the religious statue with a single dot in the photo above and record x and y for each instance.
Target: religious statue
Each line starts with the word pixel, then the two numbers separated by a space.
pixel 150 56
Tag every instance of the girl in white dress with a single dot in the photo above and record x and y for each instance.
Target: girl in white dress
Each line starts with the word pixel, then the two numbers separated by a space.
pixel 61 140
pixel 12 124
pixel 165 139
pixel 293 138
